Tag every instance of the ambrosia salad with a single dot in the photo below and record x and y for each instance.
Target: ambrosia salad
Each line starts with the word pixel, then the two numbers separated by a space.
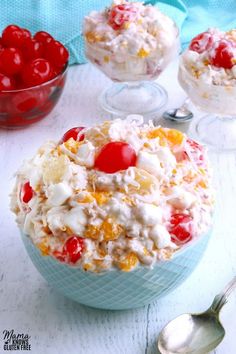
pixel 211 57
pixel 207 71
pixel 130 41
pixel 117 195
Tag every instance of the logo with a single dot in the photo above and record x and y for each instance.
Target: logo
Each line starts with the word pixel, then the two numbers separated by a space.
pixel 15 341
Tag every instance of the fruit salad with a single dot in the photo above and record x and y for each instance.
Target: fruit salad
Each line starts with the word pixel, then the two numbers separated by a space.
pixel 208 70
pixel 117 195
pixel 130 41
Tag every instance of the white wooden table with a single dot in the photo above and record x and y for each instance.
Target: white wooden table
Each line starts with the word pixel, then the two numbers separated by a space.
pixel 57 325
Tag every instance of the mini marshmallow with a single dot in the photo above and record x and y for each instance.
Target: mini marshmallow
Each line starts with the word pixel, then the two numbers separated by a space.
pixel 149 162
pixel 58 193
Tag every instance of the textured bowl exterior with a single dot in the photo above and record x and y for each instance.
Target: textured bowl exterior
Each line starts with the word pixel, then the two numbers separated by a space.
pixel 117 290
pixel 22 107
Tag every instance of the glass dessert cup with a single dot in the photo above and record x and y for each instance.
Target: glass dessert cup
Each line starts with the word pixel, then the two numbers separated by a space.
pixel 133 90
pixel 217 128
pixel 22 107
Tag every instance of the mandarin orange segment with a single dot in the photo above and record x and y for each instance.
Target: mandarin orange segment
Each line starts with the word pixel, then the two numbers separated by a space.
pixel 87 266
pixel 142 53
pixel 87 198
pixel 101 197
pixel 175 136
pixel 202 184
pixel 92 232
pixel 111 230
pixel 43 247
pixel 158 133
pixel 108 229
pixel 171 136
pixel 129 262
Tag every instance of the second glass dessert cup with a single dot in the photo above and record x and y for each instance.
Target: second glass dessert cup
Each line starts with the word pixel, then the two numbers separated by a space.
pixel 217 128
pixel 133 89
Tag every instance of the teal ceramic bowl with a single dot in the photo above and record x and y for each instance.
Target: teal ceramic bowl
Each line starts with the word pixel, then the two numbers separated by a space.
pixel 117 290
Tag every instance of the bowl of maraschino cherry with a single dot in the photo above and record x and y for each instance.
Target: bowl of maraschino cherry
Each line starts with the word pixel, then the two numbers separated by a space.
pixel 32 75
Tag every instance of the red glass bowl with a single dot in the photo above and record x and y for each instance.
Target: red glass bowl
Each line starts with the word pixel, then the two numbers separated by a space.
pixel 22 107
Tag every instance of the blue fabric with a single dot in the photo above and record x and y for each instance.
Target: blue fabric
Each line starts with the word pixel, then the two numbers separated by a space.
pixel 63 18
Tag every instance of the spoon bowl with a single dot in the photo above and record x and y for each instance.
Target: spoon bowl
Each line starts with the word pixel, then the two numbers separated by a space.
pixel 195 333
pixel 179 115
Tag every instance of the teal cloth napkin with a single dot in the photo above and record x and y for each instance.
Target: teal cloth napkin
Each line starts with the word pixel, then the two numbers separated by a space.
pixel 63 18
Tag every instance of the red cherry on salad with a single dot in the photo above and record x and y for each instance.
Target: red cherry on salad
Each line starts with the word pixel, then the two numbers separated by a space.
pixel 74 248
pixel 56 53
pixel 36 72
pixel 222 55
pixel 11 61
pixel 73 133
pixel 26 192
pixel 13 36
pixel 179 228
pixel 120 14
pixel 115 156
pixel 33 49
pixel 43 37
pixel 201 42
pixel 6 83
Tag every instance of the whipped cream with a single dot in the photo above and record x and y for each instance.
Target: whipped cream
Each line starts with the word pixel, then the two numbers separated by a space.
pixel 130 41
pixel 126 219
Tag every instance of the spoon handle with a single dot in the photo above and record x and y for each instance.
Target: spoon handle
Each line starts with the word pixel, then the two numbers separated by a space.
pixel 221 299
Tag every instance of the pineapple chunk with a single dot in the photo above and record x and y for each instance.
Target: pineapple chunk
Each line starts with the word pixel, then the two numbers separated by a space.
pixel 55 168
pixel 145 182
pixel 93 37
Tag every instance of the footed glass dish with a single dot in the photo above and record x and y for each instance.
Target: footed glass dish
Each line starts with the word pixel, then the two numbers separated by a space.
pixel 131 43
pixel 133 90
pixel 217 128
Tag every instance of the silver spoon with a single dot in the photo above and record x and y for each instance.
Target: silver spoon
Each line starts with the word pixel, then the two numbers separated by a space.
pixel 179 115
pixel 196 333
